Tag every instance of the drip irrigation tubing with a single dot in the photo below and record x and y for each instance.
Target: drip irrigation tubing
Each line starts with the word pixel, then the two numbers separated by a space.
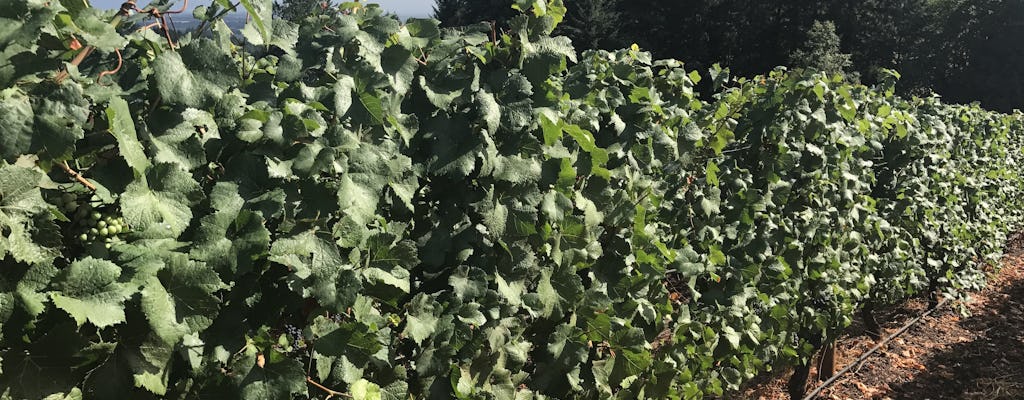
pixel 863 357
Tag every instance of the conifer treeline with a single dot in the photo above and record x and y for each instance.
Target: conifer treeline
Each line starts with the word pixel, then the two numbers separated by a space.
pixel 965 50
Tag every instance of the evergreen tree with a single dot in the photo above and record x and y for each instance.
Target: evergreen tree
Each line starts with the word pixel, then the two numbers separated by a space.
pixel 822 50
pixel 454 13
pixel 881 33
pixel 593 24
pixel 975 53
pixel 965 50
pixel 451 12
pixel 748 36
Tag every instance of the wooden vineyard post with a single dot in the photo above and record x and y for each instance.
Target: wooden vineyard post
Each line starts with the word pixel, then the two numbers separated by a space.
pixel 933 294
pixel 827 365
pixel 826 369
pixel 798 382
pixel 871 327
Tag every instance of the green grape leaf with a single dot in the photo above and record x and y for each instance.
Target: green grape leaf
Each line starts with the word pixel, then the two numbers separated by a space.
pixel 230 239
pixel 16 117
pixel 373 106
pixel 358 200
pixel 73 394
pixel 193 287
pixel 160 311
pixel 183 143
pixel 285 35
pixel 23 213
pixel 731 336
pixel 397 390
pixel 343 89
pixel 122 126
pixel 628 363
pixel 489 110
pixel 317 263
pixel 400 66
pixel 149 361
pixel 30 288
pixel 283 379
pixel 259 28
pixel 60 113
pixel 365 390
pixel 386 267
pixel 421 321
pixel 712 173
pixel 180 299
pixel 97 32
pixel 440 96
pixel 420 33
pixel 557 291
pixel 160 204
pixel 197 76
pixel 349 340
pixel 89 290
pixel 177 83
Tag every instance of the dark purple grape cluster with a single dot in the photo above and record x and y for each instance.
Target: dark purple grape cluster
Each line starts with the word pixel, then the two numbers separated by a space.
pixel 294 335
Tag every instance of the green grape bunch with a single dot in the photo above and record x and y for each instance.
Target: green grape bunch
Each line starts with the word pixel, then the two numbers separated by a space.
pixel 67 203
pixel 94 224
pixel 102 227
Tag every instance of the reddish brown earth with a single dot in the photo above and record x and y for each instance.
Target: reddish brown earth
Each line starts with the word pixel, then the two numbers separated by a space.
pixel 943 356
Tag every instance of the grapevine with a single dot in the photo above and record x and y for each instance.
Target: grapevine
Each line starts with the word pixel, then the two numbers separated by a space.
pixel 359 207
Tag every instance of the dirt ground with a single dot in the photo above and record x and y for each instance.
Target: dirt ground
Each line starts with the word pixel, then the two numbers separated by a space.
pixel 944 356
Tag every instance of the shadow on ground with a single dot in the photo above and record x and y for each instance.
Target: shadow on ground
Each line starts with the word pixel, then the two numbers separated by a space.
pixel 989 366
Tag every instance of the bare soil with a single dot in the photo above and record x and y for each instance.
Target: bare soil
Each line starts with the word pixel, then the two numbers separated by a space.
pixel 944 356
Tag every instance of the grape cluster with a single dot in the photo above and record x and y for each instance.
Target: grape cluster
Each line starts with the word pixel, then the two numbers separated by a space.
pixel 67 203
pixel 297 342
pixel 99 226
pixel 294 335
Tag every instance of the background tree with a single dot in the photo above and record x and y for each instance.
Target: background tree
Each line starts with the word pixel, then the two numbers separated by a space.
pixel 822 50
pixel 880 33
pixel 749 36
pixel 593 24
pixel 965 50
pixel 976 53
pixel 451 12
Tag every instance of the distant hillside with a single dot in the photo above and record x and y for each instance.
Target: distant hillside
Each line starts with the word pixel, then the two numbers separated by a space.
pixel 185 22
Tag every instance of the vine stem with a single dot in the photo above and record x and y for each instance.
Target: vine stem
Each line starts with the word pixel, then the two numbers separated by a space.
pixel 161 17
pixel 63 74
pixel 124 12
pixel 152 25
pixel 422 61
pixel 74 174
pixel 202 25
pixel 330 392
pixel 120 62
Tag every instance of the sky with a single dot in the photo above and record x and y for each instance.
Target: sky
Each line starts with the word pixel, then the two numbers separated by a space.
pixel 404 8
